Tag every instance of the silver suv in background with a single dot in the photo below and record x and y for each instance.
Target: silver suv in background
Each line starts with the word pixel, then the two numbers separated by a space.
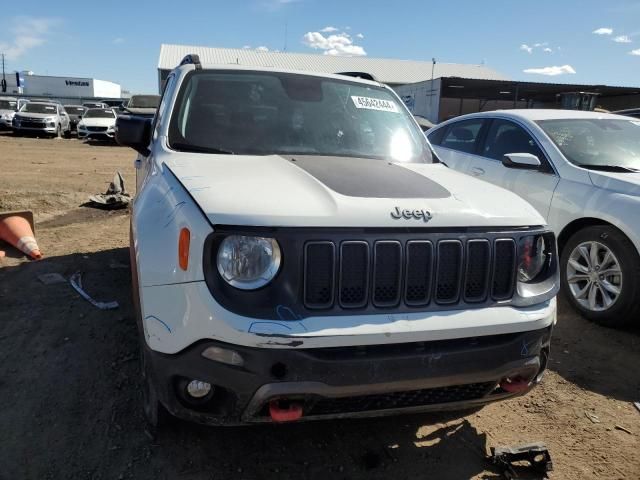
pixel 42 117
pixel 8 107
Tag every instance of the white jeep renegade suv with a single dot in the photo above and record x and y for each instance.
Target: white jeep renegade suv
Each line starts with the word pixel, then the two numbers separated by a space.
pixel 299 253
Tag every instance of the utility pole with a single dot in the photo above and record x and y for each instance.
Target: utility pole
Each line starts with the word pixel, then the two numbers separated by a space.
pixel 4 80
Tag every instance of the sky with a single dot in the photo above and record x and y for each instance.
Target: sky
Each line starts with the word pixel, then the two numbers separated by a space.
pixel 580 41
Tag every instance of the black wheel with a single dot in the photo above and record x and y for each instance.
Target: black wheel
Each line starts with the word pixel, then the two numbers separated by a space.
pixel 600 271
pixel 154 412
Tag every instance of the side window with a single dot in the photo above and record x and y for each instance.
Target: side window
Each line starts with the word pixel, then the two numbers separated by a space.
pixel 463 136
pixel 507 137
pixel 435 137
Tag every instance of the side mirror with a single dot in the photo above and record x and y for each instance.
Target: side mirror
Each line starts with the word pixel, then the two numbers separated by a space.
pixel 134 132
pixel 523 161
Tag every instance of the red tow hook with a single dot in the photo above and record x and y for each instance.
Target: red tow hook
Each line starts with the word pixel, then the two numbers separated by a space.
pixel 290 412
pixel 514 385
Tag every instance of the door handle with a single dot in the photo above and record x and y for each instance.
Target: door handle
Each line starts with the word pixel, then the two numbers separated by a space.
pixel 477 171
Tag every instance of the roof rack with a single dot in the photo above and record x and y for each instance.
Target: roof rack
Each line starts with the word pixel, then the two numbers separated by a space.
pixel 191 59
pixel 363 75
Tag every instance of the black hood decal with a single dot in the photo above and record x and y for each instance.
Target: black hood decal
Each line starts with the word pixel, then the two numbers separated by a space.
pixel 364 177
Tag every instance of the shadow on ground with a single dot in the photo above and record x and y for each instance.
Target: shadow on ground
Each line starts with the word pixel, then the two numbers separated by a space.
pixel 71 390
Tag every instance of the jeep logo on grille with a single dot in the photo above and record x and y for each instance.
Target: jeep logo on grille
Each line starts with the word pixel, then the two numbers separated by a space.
pixel 418 214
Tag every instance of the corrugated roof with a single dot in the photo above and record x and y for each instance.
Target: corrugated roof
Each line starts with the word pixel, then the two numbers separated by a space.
pixel 386 70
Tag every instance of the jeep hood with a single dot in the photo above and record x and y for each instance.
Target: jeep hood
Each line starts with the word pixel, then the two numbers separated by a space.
pixel 346 192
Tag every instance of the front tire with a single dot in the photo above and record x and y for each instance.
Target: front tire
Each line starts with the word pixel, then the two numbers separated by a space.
pixel 600 271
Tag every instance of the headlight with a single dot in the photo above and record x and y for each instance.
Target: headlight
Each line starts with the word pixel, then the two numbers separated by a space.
pixel 534 256
pixel 248 263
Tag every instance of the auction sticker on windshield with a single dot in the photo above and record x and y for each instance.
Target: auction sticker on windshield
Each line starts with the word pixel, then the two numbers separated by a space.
pixel 374 104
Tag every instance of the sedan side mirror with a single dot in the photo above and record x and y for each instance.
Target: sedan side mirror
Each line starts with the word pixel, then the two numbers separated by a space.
pixel 523 161
pixel 135 132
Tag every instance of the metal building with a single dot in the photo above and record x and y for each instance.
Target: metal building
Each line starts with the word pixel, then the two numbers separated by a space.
pixel 391 71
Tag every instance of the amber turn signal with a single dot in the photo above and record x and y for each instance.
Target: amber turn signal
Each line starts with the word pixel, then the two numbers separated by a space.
pixel 183 248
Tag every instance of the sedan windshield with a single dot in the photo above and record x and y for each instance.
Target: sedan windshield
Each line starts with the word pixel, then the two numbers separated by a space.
pixel 73 110
pixel 265 113
pixel 8 104
pixel 598 143
pixel 144 101
pixel 99 113
pixel 39 108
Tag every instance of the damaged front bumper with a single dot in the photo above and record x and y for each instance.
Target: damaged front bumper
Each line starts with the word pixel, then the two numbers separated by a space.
pixel 352 381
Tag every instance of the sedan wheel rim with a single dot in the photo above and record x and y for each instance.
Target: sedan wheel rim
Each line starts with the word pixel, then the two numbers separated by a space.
pixel 594 276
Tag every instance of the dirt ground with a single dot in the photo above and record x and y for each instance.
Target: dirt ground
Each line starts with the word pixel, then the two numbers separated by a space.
pixel 70 390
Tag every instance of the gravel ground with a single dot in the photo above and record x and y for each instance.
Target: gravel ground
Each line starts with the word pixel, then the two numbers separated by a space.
pixel 70 387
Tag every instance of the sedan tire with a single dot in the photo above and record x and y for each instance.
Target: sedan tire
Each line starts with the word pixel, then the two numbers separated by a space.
pixel 600 271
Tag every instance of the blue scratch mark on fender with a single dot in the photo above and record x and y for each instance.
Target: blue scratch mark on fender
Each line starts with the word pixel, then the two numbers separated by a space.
pixel 157 319
pixel 174 212
pixel 257 326
pixel 524 351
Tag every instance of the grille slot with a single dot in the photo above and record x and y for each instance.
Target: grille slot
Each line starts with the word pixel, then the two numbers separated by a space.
pixel 387 271
pixel 504 268
pixel 413 398
pixel 476 280
pixel 354 274
pixel 319 268
pixel 449 271
pixel 419 268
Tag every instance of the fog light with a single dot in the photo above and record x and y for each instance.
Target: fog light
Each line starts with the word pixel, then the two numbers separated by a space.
pixel 223 355
pixel 198 388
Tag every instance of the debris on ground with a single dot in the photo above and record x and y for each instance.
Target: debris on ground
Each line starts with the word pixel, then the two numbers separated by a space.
pixel 535 454
pixel 51 278
pixel 637 405
pixel 115 197
pixel 16 228
pixel 76 283
pixel 621 428
pixel 594 418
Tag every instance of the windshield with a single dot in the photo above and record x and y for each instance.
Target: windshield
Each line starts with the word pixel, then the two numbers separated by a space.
pixel 258 113
pixel 73 110
pixel 39 108
pixel 95 113
pixel 597 142
pixel 8 104
pixel 144 101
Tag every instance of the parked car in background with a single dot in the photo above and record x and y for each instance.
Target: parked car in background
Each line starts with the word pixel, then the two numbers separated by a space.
pixel 141 105
pixel 41 118
pixel 75 113
pixel 98 124
pixel 581 171
pixel 95 105
pixel 297 253
pixel 8 107
pixel 630 112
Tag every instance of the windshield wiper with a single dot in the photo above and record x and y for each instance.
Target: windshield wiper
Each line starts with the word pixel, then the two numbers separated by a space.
pixel 187 147
pixel 609 168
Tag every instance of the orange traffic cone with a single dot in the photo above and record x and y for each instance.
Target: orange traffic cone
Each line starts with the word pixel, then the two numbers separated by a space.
pixel 17 228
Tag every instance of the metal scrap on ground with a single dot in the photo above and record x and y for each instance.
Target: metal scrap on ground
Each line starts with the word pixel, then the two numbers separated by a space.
pixel 115 197
pixel 76 283
pixel 535 454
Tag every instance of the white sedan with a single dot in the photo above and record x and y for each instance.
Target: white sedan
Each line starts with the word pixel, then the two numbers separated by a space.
pixel 581 171
pixel 98 124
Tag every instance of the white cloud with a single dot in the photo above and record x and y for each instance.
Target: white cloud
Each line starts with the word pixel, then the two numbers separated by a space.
pixel 262 48
pixel 551 71
pixel 26 33
pixel 340 44
pixel 547 50
pixel 118 41
pixel 622 39
pixel 246 47
pixel 526 48
pixel 635 52
pixel 538 45
pixel 329 29
pixel 360 35
pixel 603 31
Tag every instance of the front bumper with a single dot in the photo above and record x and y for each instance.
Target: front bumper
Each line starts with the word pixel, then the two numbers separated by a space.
pixel 351 381
pixel 44 129
pixel 103 135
